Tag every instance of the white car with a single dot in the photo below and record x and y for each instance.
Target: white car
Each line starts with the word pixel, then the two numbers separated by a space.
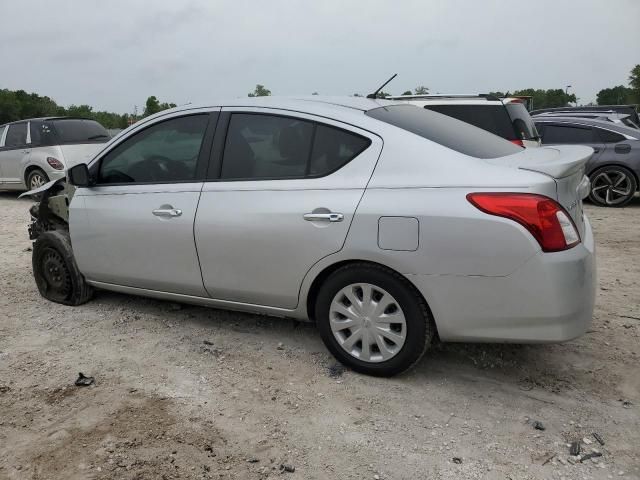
pixel 506 117
pixel 35 151
pixel 385 223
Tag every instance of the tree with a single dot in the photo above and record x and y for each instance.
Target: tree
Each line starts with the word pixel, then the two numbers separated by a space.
pixel 634 83
pixel 314 93
pixel 357 95
pixel 260 91
pixel 547 98
pixel 382 94
pixel 615 95
pixel 407 92
pixel 153 105
pixel 421 90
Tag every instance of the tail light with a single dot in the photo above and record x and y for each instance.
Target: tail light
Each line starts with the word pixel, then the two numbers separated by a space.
pixel 520 143
pixel 55 163
pixel 543 217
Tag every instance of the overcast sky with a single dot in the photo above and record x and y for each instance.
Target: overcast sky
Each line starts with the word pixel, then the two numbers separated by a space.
pixel 113 54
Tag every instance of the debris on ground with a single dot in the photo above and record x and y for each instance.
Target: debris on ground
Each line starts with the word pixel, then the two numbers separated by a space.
pixel 280 346
pixel 207 342
pixel 457 460
pixel 252 460
pixel 336 370
pixel 574 449
pixel 598 437
pixel 285 467
pixel 28 249
pixel 174 307
pixel 626 403
pixel 4 388
pixel 587 456
pixel 549 458
pixel 538 426
pixel 84 381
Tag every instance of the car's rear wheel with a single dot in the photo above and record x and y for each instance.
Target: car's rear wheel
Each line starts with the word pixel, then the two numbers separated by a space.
pixel 373 320
pixel 55 270
pixel 36 179
pixel 612 186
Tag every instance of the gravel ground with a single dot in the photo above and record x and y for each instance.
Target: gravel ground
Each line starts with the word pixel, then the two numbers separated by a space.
pixel 189 392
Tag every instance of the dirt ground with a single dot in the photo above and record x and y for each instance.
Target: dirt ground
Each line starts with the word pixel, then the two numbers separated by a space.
pixel 189 392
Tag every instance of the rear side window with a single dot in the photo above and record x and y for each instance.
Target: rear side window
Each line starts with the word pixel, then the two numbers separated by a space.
pixel 522 122
pixel 74 130
pixel 16 135
pixel 42 133
pixel 2 128
pixel 446 131
pixel 492 118
pixel 607 136
pixel 260 147
pixel 559 134
pixel 163 153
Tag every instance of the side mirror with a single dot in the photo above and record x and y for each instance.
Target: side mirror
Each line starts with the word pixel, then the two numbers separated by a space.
pixel 79 175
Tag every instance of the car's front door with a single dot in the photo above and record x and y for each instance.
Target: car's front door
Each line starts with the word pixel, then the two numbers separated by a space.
pixel 14 154
pixel 281 198
pixel 135 226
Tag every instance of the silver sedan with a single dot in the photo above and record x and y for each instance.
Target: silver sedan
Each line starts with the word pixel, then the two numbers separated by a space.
pixel 384 223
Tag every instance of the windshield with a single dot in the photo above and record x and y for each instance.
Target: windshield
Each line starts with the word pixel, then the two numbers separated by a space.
pixel 74 130
pixel 522 122
pixel 445 130
pixel 492 118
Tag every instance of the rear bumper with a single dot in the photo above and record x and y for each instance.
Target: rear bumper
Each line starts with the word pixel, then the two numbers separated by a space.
pixel 550 298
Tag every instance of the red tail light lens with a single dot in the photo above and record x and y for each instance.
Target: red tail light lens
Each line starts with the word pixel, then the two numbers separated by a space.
pixel 545 219
pixel 520 143
pixel 55 163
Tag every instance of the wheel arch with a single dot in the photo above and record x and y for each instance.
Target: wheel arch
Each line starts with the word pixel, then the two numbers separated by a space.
pixel 320 278
pixel 30 168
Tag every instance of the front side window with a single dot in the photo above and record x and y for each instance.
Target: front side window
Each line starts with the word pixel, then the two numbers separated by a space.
pixel 165 152
pixel 260 147
pixel 16 136
pixel 566 134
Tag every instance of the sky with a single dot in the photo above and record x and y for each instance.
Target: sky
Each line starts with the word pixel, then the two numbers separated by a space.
pixel 114 54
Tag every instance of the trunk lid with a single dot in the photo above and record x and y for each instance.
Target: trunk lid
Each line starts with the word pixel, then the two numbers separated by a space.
pixel 79 153
pixel 566 165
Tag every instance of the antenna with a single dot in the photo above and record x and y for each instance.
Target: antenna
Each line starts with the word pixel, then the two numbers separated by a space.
pixel 375 94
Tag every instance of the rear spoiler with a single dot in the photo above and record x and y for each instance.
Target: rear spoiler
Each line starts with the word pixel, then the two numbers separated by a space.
pixel 557 161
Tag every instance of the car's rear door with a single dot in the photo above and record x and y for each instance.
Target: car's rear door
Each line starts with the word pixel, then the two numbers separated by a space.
pixel 282 195
pixel 563 133
pixel 135 226
pixel 14 153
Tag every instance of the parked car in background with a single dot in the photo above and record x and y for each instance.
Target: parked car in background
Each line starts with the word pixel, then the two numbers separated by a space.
pixel 508 118
pixel 382 222
pixel 35 151
pixel 629 110
pixel 606 116
pixel 614 168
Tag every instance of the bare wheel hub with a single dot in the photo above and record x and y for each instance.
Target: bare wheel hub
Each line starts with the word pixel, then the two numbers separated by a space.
pixel 367 322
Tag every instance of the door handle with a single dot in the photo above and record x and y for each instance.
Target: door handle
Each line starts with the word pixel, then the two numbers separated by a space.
pixel 167 212
pixel 323 217
pixel 596 150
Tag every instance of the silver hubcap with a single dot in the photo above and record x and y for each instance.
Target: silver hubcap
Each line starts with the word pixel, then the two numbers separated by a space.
pixel 367 322
pixel 611 187
pixel 36 181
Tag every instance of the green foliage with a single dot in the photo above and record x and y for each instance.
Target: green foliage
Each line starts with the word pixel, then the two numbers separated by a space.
pixel 634 83
pixel 18 105
pixel 407 92
pixel 615 96
pixel 382 94
pixel 260 91
pixel 153 105
pixel 555 97
pixel 421 90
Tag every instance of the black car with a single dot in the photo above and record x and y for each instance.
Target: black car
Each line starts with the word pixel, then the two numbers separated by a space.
pixel 614 168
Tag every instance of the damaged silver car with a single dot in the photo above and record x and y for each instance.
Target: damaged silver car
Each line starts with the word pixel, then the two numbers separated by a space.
pixel 385 223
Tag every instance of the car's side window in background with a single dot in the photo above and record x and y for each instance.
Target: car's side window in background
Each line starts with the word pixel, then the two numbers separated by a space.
pixel 16 135
pixel 274 147
pixel 165 152
pixel 607 136
pixel 566 134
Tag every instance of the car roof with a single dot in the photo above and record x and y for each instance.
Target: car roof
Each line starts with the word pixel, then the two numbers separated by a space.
pixel 614 127
pixel 44 119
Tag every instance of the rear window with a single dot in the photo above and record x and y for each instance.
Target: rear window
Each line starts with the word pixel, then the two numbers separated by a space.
pixel 445 130
pixel 73 130
pixel 559 134
pixel 522 122
pixel 492 118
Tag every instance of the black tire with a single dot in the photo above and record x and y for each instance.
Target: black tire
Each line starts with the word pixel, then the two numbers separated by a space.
pixel 420 327
pixel 35 174
pixel 55 270
pixel 597 193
